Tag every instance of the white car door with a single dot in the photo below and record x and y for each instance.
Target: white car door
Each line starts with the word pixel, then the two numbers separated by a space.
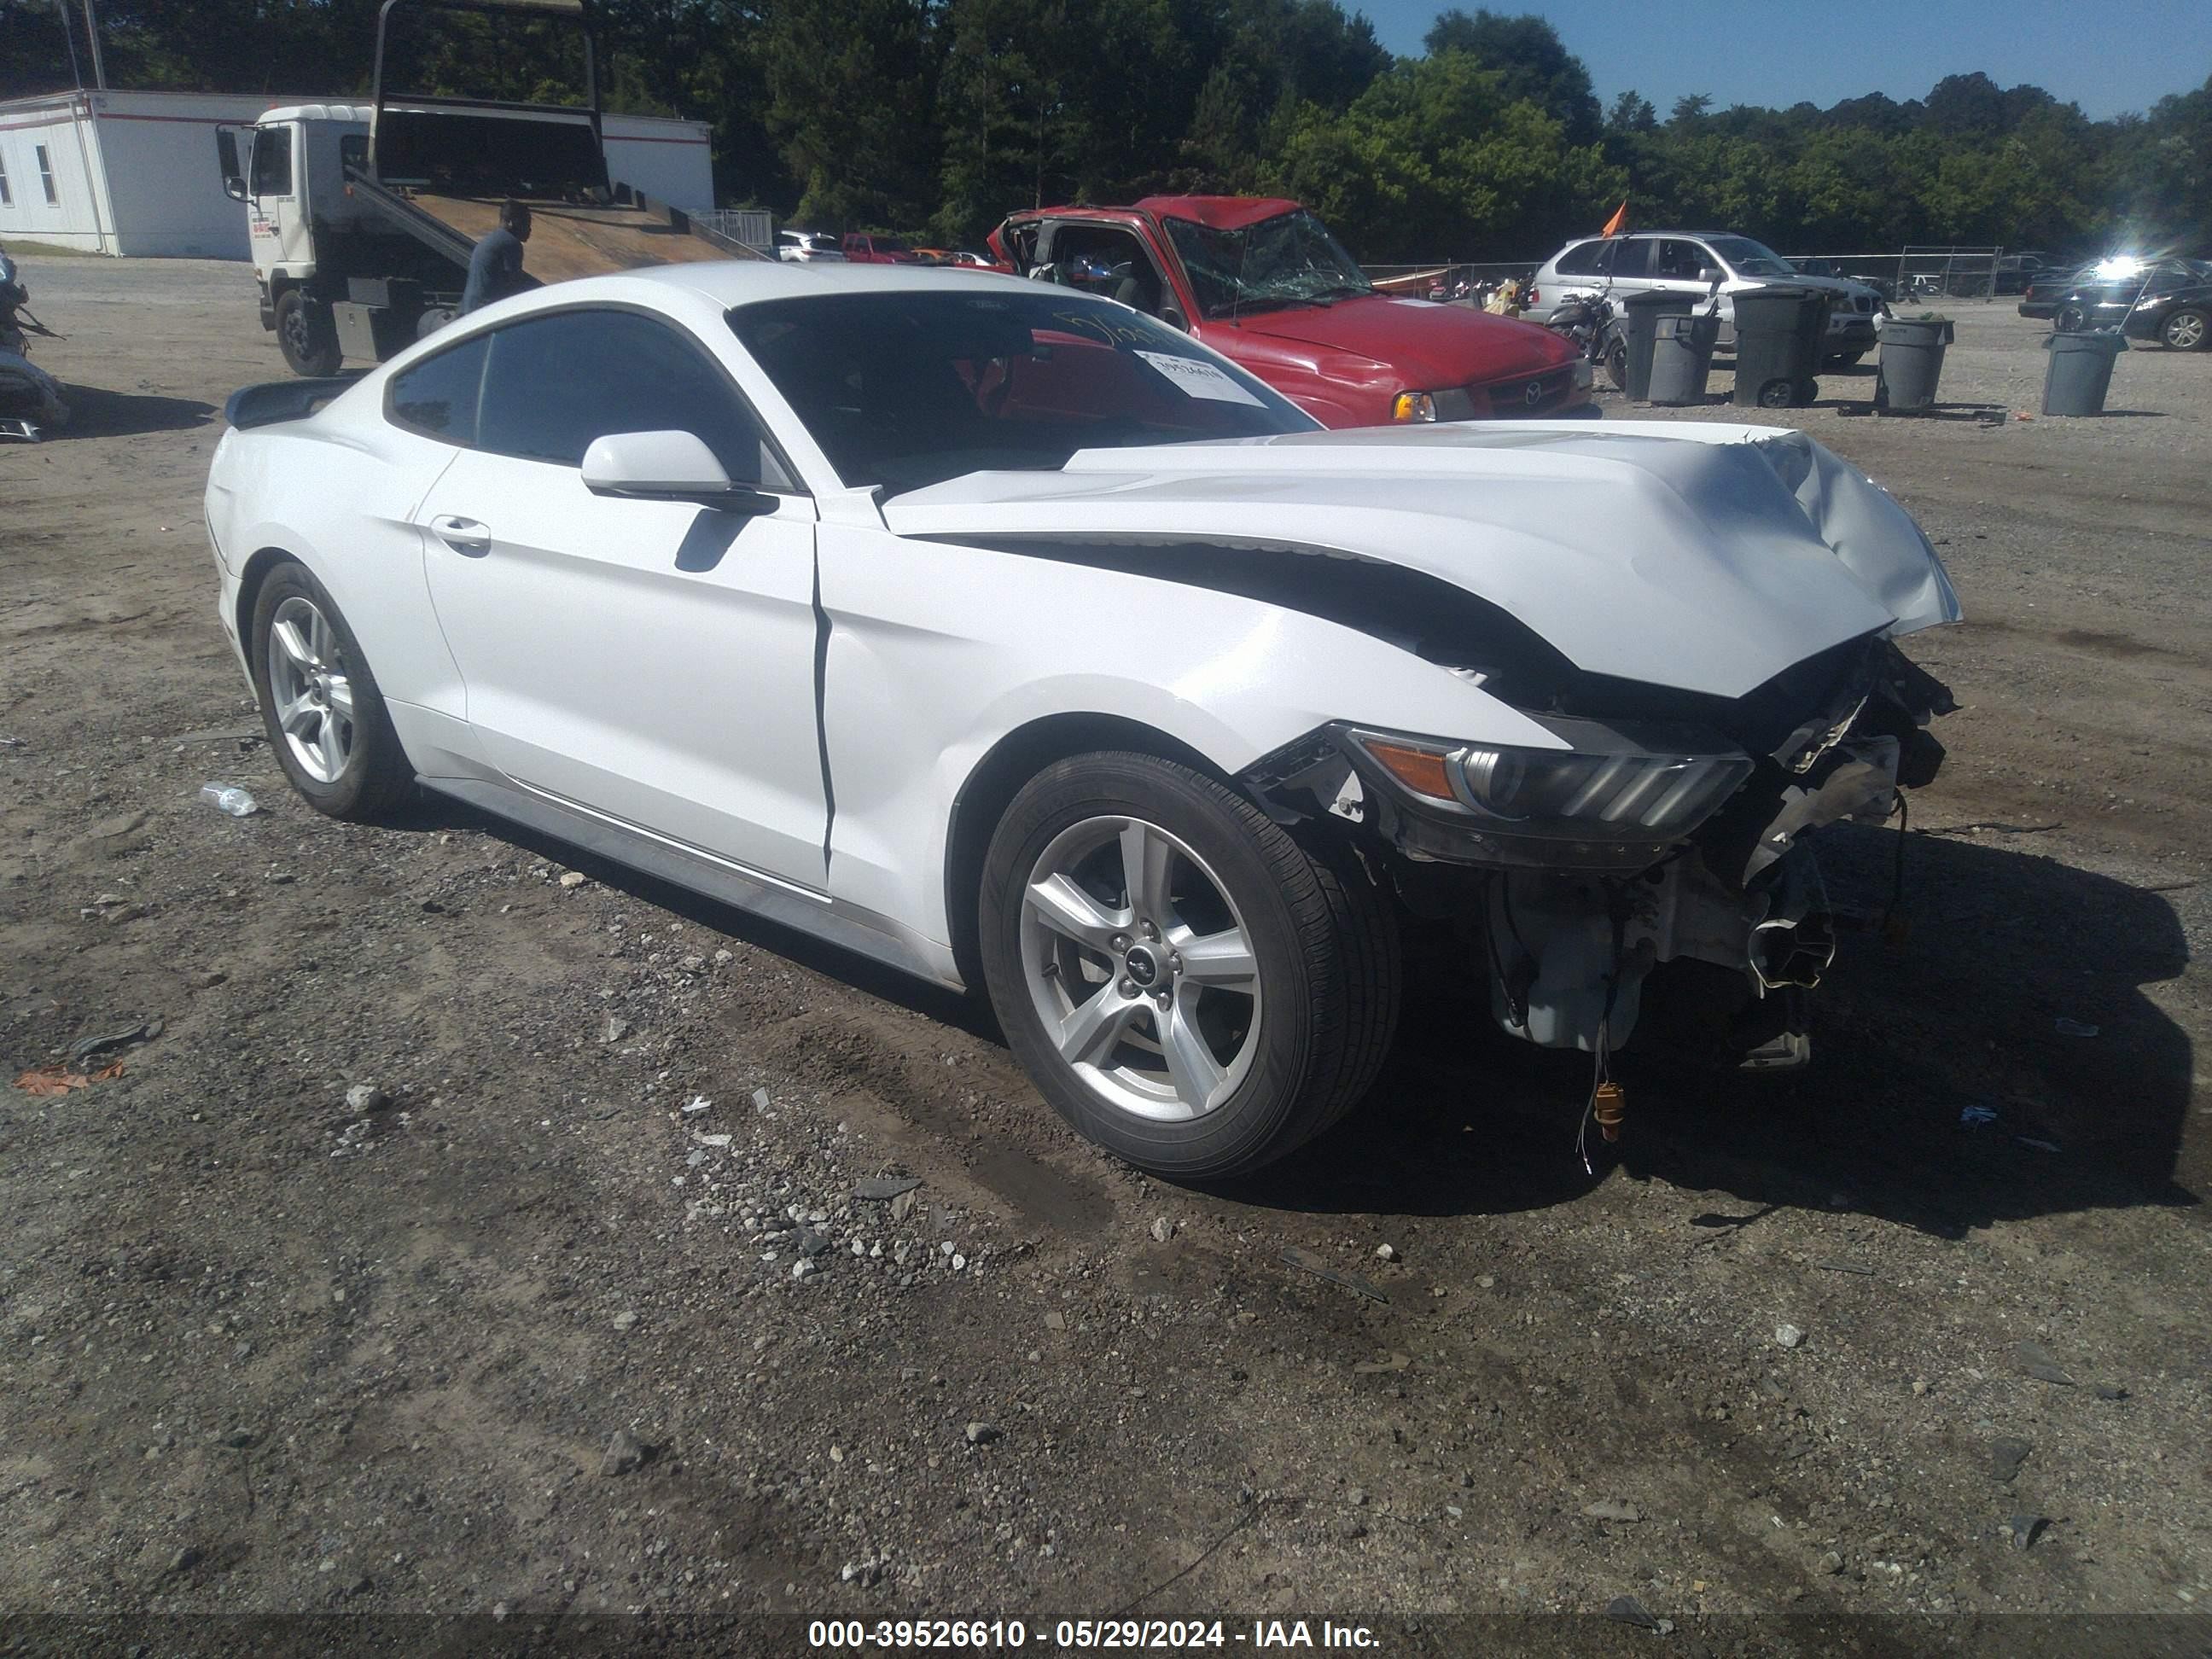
pixel 651 661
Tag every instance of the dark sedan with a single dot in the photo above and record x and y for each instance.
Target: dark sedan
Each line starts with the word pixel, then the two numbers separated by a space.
pixel 2102 295
pixel 2176 315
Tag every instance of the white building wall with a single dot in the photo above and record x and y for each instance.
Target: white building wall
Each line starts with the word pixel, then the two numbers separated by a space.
pixel 41 143
pixel 153 155
pixel 671 161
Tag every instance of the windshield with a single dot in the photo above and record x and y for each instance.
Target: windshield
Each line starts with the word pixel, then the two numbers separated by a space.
pixel 1748 259
pixel 908 389
pixel 1288 260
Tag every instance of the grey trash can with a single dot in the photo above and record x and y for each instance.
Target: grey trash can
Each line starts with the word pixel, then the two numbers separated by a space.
pixel 1644 312
pixel 1682 358
pixel 1912 362
pixel 1778 331
pixel 2081 370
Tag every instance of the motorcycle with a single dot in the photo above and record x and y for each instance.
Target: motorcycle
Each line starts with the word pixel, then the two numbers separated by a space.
pixel 29 397
pixel 1592 323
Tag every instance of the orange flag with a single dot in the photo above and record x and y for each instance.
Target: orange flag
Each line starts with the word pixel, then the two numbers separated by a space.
pixel 1614 225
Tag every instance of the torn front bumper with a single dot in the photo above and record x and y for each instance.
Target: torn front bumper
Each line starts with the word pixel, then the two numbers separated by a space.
pixel 1572 930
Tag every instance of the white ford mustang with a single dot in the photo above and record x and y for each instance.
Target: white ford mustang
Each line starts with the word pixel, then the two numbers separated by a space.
pixel 1009 636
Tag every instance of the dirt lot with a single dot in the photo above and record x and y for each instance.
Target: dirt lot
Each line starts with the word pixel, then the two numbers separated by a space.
pixel 267 1352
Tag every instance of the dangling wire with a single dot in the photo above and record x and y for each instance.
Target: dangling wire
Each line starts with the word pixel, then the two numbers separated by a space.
pixel 1601 1072
pixel 1897 873
pixel 1600 1076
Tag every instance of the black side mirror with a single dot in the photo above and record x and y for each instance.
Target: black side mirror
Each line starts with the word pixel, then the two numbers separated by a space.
pixel 1172 315
pixel 226 160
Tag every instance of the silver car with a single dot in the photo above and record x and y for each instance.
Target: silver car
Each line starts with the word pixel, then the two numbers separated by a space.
pixel 1698 262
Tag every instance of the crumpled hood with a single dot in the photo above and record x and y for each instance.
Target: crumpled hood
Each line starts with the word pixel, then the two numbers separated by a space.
pixel 1706 558
pixel 1429 345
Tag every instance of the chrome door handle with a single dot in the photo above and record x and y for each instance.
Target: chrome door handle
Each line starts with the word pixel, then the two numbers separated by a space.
pixel 462 535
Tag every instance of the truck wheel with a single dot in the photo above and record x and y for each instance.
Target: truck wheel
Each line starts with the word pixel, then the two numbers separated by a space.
pixel 306 336
pixel 1183 981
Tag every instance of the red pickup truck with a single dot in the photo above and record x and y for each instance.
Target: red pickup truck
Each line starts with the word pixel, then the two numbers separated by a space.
pixel 862 249
pixel 1261 280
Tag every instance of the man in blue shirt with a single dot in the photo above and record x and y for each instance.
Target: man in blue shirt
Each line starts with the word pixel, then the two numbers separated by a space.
pixel 495 268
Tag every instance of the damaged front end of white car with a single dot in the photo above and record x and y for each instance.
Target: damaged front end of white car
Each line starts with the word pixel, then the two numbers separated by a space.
pixel 1664 829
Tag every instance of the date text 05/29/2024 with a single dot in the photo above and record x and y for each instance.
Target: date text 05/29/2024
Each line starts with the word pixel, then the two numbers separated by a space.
pixel 1084 1635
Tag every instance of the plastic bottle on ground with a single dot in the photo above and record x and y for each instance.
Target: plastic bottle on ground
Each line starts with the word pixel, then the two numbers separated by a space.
pixel 230 797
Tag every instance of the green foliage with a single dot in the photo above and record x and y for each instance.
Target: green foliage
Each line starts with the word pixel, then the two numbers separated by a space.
pixel 1439 152
pixel 944 115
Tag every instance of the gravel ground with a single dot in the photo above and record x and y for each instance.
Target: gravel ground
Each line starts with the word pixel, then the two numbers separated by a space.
pixel 486 1232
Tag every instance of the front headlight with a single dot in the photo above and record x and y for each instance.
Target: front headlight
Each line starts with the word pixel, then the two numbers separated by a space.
pixel 1612 786
pixel 1414 406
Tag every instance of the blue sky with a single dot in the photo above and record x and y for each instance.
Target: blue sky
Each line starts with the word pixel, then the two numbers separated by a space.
pixel 2105 55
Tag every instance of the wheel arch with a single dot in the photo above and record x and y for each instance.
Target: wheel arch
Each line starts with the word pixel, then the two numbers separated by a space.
pixel 257 567
pixel 992 782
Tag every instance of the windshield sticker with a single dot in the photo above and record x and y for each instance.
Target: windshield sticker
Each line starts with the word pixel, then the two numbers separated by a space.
pixel 1195 379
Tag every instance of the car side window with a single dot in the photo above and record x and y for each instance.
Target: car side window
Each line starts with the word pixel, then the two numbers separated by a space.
pixel 556 382
pixel 1580 260
pixel 1677 261
pixel 438 397
pixel 1631 258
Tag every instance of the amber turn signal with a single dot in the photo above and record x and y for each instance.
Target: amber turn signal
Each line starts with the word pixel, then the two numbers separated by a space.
pixel 1421 771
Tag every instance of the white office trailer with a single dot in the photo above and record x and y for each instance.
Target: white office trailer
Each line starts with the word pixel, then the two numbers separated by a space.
pixel 134 172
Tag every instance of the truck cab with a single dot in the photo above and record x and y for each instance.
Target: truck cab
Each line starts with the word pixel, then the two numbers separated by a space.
pixel 1261 280
pixel 309 231
pixel 362 217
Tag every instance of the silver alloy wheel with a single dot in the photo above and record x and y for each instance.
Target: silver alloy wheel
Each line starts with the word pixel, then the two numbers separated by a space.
pixel 2184 330
pixel 308 683
pixel 1141 968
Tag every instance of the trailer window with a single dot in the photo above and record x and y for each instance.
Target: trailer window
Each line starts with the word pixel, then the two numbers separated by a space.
pixel 438 397
pixel 556 382
pixel 7 199
pixel 272 162
pixel 46 175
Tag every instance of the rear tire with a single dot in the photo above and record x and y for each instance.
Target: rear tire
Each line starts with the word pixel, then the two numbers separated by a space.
pixel 1616 362
pixel 319 704
pixel 2189 329
pixel 2070 319
pixel 1291 1042
pixel 306 335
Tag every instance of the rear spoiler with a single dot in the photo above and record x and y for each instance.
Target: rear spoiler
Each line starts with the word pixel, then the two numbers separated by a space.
pixel 282 400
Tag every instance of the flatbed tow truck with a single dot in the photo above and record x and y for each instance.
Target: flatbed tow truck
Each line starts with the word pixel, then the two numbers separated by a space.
pixel 362 216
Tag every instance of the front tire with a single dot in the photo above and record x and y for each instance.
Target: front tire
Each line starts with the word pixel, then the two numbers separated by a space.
pixel 2070 319
pixel 319 704
pixel 1185 984
pixel 1616 362
pixel 306 335
pixel 2189 329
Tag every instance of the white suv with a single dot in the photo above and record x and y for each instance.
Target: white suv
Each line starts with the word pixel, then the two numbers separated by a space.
pixel 1695 261
pixel 808 247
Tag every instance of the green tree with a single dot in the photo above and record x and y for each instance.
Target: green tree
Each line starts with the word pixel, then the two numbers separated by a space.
pixel 1531 60
pixel 851 89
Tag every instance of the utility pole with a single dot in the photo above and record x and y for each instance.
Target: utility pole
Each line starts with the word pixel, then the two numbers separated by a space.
pixel 92 33
pixel 69 34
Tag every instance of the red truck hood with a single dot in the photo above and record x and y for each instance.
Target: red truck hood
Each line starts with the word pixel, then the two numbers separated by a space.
pixel 1431 345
